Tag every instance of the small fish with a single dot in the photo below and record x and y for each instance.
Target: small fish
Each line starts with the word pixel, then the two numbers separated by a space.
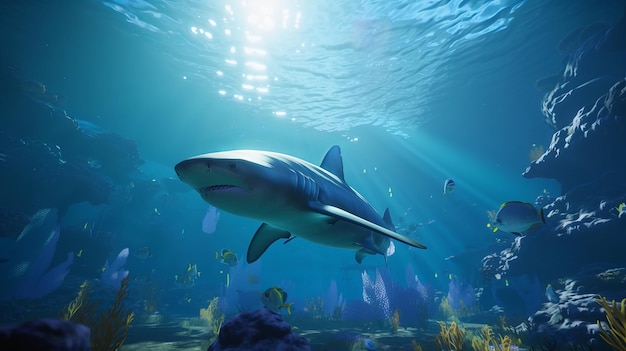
pixel 80 253
pixel 143 253
pixel 188 278
pixel 517 217
pixel 275 298
pixel 448 186
pixel 228 257
pixel 619 209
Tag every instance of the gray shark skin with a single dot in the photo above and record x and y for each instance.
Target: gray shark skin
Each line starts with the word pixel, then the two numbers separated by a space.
pixel 291 196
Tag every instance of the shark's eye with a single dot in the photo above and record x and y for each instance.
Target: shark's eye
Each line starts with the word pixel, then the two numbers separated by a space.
pixel 232 165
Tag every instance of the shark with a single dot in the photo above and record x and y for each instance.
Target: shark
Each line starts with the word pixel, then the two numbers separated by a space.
pixel 292 198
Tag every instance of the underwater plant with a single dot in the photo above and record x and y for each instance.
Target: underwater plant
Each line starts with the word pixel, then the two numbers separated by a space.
pixel 214 317
pixel 416 345
pixel 486 341
pixel 315 306
pixel 616 318
pixel 109 330
pixel 395 321
pixel 446 309
pixel 450 338
pixel 80 310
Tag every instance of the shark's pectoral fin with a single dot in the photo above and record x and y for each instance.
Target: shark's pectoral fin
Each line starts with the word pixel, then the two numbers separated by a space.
pixel 360 254
pixel 347 216
pixel 262 239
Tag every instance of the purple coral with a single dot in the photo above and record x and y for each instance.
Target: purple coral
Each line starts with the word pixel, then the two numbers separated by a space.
pixel 258 330
pixel 382 297
pixel 460 294
pixel 333 300
pixel 375 293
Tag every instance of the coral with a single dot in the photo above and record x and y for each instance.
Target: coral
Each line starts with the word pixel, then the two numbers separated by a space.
pixel 26 261
pixel 450 338
pixel 395 321
pixel 258 330
pixel 213 317
pixel 416 346
pixel 363 344
pixel 113 273
pixel 486 341
pixel 460 293
pixel 445 309
pixel 333 301
pixel 45 334
pixel 108 332
pixel 80 310
pixel 375 293
pixel 616 318
pixel 502 323
pixel 617 275
pixel 315 306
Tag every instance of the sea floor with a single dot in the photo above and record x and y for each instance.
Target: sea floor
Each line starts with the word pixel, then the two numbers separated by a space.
pixel 173 336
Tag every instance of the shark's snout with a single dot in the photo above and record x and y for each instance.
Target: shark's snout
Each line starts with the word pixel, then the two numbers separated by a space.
pixel 191 171
pixel 208 175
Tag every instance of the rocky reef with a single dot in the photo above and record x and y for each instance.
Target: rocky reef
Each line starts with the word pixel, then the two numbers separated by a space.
pixel 258 330
pixel 46 334
pixel 583 236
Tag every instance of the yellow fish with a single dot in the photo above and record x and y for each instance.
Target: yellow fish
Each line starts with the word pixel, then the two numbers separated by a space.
pixel 274 299
pixel 228 257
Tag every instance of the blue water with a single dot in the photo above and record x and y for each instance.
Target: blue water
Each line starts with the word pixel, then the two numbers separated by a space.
pixel 413 92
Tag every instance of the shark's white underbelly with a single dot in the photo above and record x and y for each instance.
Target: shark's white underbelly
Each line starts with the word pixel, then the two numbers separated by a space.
pixel 323 230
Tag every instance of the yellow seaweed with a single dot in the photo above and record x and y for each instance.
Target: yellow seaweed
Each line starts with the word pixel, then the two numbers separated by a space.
pixel 108 332
pixel 450 338
pixel 615 336
pixel 213 317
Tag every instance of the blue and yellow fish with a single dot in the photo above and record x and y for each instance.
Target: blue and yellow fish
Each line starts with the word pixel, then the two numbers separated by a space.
pixel 187 279
pixel 228 257
pixel 517 217
pixel 275 298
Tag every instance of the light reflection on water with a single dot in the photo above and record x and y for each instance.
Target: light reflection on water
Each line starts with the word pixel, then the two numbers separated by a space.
pixel 331 65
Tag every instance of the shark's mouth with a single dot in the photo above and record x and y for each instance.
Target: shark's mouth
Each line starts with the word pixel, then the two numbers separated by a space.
pixel 219 188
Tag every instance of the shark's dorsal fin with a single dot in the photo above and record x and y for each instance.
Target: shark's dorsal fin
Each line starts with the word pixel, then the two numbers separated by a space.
pixel 388 221
pixel 333 163
pixel 262 239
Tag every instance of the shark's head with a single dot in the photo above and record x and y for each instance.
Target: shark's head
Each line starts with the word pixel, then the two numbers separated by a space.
pixel 241 182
